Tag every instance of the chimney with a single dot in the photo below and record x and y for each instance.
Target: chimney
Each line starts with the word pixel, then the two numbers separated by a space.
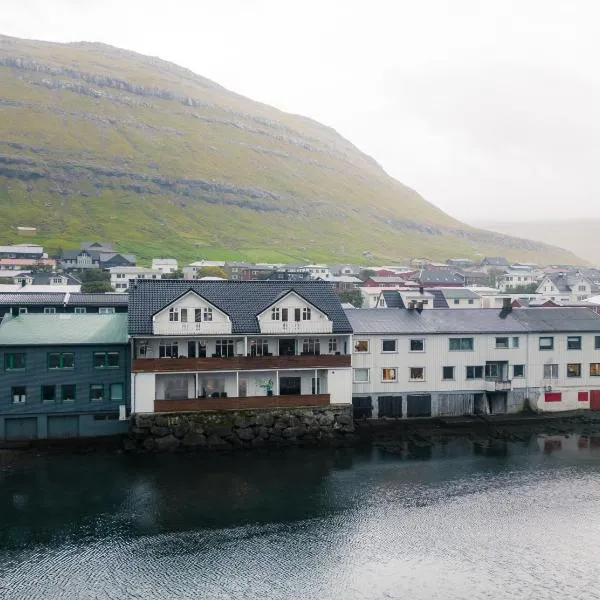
pixel 419 307
pixel 411 305
pixel 506 308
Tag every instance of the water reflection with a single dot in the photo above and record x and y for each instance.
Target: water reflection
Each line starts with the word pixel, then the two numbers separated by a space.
pixel 483 516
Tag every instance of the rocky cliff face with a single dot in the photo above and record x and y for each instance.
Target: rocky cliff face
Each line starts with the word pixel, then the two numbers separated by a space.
pixel 94 139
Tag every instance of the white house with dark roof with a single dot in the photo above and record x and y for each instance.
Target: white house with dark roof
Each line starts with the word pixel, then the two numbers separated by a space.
pixel 408 363
pixel 566 287
pixel 233 344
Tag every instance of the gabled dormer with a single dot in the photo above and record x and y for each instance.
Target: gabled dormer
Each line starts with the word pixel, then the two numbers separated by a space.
pixel 291 313
pixel 191 314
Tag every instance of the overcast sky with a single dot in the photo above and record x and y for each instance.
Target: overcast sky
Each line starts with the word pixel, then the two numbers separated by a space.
pixel 489 108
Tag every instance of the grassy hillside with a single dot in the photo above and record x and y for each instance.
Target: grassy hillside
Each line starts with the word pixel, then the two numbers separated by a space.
pixel 102 143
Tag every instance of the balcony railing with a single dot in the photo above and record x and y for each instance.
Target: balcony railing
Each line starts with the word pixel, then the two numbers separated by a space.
pixel 497 385
pixel 192 328
pixel 247 402
pixel 240 363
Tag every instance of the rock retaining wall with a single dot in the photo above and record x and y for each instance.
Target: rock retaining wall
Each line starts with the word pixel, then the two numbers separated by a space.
pixel 225 430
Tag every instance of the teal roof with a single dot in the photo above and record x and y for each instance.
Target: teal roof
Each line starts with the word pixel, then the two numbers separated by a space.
pixel 62 329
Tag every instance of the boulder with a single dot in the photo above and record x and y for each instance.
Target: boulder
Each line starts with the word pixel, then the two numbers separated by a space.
pixel 217 443
pixel 160 431
pixel 246 434
pixel 194 440
pixel 167 443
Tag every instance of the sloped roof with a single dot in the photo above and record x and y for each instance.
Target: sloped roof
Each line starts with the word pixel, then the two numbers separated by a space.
pixel 438 276
pixel 498 261
pixel 393 299
pixel 474 320
pixel 459 293
pixel 63 329
pixel 91 299
pixel 59 298
pixel 241 300
pixel 439 299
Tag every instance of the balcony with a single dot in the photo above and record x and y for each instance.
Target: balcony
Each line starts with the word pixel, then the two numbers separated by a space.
pixel 240 363
pixel 497 385
pixel 192 328
pixel 247 402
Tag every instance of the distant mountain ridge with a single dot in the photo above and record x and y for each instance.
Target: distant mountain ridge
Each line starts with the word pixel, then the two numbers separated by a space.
pixel 102 143
pixel 580 236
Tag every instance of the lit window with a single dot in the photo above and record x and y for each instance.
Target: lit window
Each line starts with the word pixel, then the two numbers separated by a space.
pixel 594 369
pixel 361 346
pixel 388 374
pixel 573 369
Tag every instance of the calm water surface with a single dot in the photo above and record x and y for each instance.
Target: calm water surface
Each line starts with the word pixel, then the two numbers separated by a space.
pixel 464 520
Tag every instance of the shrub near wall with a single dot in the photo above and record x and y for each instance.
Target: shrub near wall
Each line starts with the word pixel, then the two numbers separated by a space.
pixel 226 430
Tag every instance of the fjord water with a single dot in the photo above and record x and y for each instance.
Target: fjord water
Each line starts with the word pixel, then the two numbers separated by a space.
pixel 459 520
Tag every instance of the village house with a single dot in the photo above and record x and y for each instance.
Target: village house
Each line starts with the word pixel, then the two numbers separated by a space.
pixel 567 287
pixel 409 363
pixel 165 266
pixel 94 255
pixel 121 277
pixel 208 344
pixel 29 251
pixel 64 375
pixel 191 271
pixel 515 279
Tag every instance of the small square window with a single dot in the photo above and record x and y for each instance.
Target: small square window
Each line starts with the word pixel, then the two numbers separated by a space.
pixel 416 374
pixel 96 391
pixel 417 345
pixel 116 392
pixel 361 375
pixel 361 346
pixel 518 370
pixel 48 393
pixel 546 343
pixel 68 392
pixel 19 394
pixel 456 301
pixel 389 374
pixel 502 342
pixel 388 345
pixel 573 369
pixel 447 373
pixel 574 342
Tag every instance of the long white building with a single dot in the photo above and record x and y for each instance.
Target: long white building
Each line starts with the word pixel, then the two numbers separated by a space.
pixel 409 363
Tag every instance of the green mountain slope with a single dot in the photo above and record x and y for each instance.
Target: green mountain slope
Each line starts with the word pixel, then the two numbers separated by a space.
pixel 102 143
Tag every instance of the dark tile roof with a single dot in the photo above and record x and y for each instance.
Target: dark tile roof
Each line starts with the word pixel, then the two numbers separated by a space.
pixel 439 276
pixel 474 320
pixel 497 261
pixel 89 299
pixel 242 300
pixel 439 300
pixel 31 298
pixel 393 299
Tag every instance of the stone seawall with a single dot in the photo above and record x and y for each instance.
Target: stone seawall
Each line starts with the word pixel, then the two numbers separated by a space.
pixel 225 430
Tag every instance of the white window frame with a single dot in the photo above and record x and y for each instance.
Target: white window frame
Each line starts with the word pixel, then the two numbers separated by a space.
pixel 395 371
pixel 80 310
pixel 394 351
pixel 553 371
pixel 411 378
pixel 411 340
pixel 367 351
pixel 368 372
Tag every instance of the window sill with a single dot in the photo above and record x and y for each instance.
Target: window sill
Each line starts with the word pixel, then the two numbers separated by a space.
pixel 388 381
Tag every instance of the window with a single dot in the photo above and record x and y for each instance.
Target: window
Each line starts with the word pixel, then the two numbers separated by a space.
pixel 184 313
pixel 61 360
pixel 597 342
pixel 284 314
pixel 207 314
pixel 574 342
pixel 456 301
pixel 475 372
pixel 142 348
pixel 173 314
pixel 103 360
pixel 19 394
pixel 492 370
pixel 296 314
pixel 417 345
pixel 518 370
pixel 416 373
pixel 546 343
pixel 106 310
pixel 48 393
pixel 333 345
pixel 550 371
pixel 68 393
pixel 259 347
pixel 96 391
pixel 80 310
pixel 461 343
pixel 388 374
pixel 311 346
pixel 501 342
pixel 224 347
pixel 447 373
pixel 116 392
pixel 22 310
pixel 361 375
pixel 471 301
pixel 168 350
pixel 515 342
pixel 49 310
pixel 306 314
pixel 388 345
pixel 594 369
pixel 14 361
pixel 361 346
pixel 573 369
pixel 275 314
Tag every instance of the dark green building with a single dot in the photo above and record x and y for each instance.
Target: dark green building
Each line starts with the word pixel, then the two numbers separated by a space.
pixel 63 375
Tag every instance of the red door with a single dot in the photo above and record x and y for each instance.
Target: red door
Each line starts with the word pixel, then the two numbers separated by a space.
pixel 595 400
